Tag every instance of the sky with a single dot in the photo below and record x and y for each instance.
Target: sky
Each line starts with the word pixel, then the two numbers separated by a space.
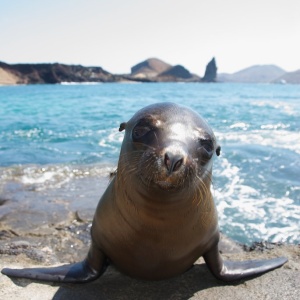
pixel 117 34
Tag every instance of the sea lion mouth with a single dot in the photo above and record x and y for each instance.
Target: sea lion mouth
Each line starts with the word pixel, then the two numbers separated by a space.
pixel 161 184
pixel 167 186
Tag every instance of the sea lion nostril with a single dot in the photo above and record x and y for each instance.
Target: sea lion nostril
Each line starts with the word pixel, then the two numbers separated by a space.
pixel 167 161
pixel 178 164
pixel 173 162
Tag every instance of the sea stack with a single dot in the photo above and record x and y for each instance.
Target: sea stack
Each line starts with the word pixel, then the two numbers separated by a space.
pixel 210 72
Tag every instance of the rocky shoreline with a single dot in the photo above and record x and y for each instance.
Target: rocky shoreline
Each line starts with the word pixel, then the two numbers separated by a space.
pixel 52 227
pixel 68 242
pixel 150 70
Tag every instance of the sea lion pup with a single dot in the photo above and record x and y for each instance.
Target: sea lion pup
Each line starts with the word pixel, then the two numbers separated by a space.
pixel 157 216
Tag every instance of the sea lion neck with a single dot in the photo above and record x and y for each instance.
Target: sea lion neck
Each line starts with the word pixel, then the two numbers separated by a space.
pixel 155 204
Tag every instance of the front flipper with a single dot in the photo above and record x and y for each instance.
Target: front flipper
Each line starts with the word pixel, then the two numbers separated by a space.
pixel 72 273
pixel 85 271
pixel 231 271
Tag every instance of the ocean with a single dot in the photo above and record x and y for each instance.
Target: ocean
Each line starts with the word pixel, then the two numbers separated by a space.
pixel 58 144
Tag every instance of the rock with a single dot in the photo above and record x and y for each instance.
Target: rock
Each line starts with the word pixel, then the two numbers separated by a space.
pixel 210 72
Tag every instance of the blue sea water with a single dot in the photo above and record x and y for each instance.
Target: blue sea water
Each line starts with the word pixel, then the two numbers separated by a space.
pixel 50 134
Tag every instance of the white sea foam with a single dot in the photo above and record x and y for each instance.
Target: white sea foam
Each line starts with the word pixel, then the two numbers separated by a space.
pixel 274 138
pixel 275 126
pixel 112 139
pixel 240 125
pixel 240 206
pixel 51 176
pixel 80 83
pixel 31 133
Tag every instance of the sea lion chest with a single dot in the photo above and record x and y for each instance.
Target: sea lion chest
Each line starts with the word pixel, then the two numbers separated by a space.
pixel 152 240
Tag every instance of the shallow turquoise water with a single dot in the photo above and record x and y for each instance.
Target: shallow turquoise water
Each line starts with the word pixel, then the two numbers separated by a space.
pixel 48 131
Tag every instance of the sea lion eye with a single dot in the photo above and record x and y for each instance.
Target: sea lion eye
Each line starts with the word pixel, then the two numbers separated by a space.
pixel 207 145
pixel 140 131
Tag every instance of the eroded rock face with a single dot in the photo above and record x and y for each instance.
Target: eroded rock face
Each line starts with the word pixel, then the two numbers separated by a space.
pixel 210 72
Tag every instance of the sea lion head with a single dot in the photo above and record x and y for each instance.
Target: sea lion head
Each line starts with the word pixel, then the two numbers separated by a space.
pixel 167 147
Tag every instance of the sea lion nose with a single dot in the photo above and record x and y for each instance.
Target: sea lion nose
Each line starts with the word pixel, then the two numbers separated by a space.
pixel 173 162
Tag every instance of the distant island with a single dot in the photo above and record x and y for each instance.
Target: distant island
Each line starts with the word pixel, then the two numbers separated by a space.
pixel 150 70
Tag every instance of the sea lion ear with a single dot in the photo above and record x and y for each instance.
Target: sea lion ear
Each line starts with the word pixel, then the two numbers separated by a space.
pixel 218 150
pixel 122 126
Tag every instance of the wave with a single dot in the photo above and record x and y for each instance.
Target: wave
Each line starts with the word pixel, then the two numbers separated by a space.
pixel 246 210
pixel 282 139
pixel 80 83
pixel 51 176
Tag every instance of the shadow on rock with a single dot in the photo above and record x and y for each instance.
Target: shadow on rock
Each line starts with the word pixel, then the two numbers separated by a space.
pixel 113 285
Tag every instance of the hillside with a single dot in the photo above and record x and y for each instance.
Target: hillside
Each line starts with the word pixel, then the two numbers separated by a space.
pixel 149 68
pixel 177 73
pixel 156 70
pixel 253 74
pixel 290 77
